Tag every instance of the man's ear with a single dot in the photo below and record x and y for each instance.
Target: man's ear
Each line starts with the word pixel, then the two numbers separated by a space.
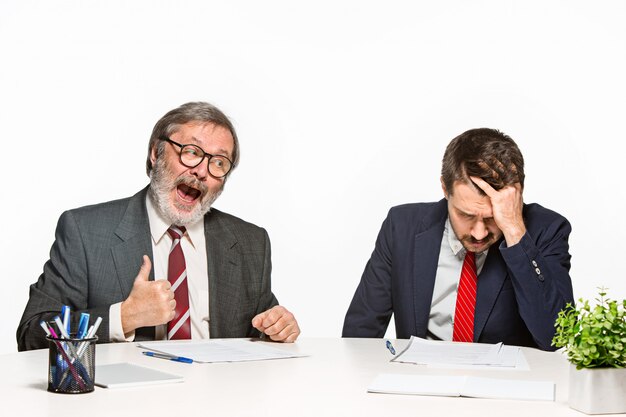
pixel 153 154
pixel 443 187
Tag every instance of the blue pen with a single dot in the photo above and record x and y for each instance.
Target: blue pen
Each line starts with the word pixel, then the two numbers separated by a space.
pixel 90 333
pixel 83 324
pixel 65 313
pixel 390 347
pixel 169 357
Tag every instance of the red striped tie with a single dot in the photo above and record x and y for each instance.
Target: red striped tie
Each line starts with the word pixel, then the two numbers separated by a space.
pixel 465 301
pixel 180 326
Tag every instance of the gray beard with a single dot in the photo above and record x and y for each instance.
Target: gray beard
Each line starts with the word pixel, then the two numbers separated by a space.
pixel 161 185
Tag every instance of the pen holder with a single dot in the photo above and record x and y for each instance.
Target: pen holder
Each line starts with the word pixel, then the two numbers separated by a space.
pixel 71 365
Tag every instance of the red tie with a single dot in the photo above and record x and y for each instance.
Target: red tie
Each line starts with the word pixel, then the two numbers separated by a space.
pixel 180 326
pixel 465 301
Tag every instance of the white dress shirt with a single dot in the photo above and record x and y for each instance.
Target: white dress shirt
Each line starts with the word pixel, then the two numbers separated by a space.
pixel 451 256
pixel 193 245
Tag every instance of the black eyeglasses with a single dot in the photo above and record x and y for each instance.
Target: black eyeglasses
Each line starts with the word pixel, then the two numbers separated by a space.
pixel 191 156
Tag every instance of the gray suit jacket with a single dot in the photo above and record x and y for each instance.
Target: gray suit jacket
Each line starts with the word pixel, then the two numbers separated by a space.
pixel 97 254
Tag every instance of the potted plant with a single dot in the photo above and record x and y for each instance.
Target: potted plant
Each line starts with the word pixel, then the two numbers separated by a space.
pixel 594 339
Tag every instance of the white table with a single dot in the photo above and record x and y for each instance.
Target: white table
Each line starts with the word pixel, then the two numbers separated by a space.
pixel 332 381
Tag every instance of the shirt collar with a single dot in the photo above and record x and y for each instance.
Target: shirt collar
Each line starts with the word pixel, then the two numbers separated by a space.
pixel 159 225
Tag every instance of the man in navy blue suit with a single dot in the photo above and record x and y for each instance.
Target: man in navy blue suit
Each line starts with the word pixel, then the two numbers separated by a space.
pixel 521 255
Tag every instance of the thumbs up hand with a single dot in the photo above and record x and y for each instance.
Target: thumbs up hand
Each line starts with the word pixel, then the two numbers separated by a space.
pixel 149 303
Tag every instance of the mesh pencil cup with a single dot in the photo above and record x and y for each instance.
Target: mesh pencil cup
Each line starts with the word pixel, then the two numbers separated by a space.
pixel 71 365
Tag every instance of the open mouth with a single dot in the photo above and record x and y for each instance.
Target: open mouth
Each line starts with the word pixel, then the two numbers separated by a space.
pixel 187 193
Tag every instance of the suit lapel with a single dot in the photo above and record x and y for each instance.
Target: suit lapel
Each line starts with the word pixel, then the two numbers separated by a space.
pixel 224 268
pixel 134 234
pixel 490 281
pixel 427 247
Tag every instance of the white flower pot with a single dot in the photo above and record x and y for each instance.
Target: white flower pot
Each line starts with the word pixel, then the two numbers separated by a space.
pixel 597 390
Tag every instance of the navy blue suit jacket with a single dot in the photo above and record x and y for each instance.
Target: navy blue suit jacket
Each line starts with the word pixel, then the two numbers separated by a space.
pixel 520 290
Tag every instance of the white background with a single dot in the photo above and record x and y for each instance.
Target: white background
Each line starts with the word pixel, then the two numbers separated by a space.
pixel 343 108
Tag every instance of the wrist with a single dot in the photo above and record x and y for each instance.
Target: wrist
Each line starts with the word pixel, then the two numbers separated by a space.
pixel 127 317
pixel 514 234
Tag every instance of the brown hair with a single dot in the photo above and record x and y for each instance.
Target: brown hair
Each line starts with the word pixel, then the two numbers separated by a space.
pixel 190 112
pixel 485 153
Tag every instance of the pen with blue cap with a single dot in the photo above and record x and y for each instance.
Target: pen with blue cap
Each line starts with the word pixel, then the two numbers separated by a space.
pixel 169 357
pixel 390 347
pixel 65 315
pixel 83 324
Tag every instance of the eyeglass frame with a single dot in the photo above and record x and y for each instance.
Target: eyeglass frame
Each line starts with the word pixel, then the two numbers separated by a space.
pixel 204 155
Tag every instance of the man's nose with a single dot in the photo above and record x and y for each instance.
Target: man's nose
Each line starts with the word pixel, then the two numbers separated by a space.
pixel 479 231
pixel 200 171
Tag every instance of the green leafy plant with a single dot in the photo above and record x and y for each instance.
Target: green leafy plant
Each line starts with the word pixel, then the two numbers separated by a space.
pixel 593 337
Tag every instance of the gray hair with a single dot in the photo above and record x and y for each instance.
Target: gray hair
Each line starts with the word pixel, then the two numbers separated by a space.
pixel 190 112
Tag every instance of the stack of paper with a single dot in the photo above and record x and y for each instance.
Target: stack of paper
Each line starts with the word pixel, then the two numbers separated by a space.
pixel 461 355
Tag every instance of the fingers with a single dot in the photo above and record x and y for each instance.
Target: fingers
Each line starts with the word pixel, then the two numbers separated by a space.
pixel 278 323
pixel 172 311
pixel 507 205
pixel 157 286
pixel 492 192
pixel 288 334
pixel 144 270
pixel 257 321
pixel 268 318
pixel 510 196
pixel 483 185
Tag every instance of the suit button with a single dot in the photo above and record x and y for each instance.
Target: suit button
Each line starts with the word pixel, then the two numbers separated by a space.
pixel 538 271
pixel 534 263
pixel 541 278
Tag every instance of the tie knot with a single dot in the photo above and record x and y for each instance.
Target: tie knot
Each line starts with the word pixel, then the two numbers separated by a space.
pixel 470 260
pixel 176 232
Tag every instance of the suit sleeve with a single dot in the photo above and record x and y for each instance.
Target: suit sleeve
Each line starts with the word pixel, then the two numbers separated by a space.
pixel 64 281
pixel 539 268
pixel 267 299
pixel 371 307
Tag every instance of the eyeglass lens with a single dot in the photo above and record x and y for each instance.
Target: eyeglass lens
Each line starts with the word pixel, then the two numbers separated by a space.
pixel 191 156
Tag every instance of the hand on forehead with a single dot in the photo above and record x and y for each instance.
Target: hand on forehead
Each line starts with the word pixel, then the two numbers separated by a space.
pixel 488 189
pixel 501 173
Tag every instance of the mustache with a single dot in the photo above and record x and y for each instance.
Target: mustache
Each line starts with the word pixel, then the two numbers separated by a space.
pixel 472 239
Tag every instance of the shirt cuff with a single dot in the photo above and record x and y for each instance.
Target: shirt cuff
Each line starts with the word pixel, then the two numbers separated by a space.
pixel 116 331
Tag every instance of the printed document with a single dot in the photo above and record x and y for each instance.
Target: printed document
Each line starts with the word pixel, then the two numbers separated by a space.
pixel 219 350
pixel 436 353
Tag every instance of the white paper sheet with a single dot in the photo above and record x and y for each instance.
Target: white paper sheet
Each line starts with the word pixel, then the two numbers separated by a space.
pixel 439 354
pixel 123 375
pixel 219 350
pixel 464 386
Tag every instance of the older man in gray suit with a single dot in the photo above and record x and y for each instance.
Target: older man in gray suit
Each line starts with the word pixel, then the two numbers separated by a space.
pixel 116 260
